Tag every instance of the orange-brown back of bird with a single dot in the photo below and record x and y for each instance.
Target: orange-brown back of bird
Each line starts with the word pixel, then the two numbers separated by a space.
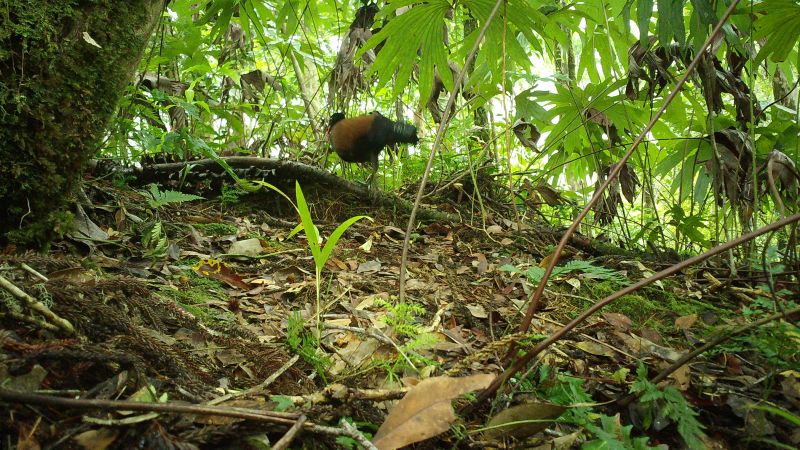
pixel 361 139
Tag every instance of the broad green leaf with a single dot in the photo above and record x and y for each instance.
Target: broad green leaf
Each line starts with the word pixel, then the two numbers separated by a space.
pixel 644 11
pixel 308 226
pixel 337 233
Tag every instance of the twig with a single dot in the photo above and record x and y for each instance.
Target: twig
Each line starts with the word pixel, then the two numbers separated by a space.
pixel 287 438
pixel 34 272
pixel 343 394
pixel 357 435
pixel 123 405
pixel 255 389
pixel 36 305
pixel 240 413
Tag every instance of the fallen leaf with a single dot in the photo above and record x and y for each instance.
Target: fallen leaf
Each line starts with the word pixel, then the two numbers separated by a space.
pixel 523 420
pixel 218 270
pixel 594 348
pixel 96 439
pixel 566 442
pixel 425 411
pixel 574 282
pixel 246 247
pixel 482 263
pixel 681 377
pixel 477 311
pixel 27 438
pixel 494 229
pixel 89 40
pixel 618 321
pixel 367 246
pixel 230 356
pixel 685 322
pixel 369 266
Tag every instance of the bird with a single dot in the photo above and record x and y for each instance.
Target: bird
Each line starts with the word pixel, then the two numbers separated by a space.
pixel 361 139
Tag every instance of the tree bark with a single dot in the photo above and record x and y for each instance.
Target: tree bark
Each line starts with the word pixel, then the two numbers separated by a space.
pixel 64 66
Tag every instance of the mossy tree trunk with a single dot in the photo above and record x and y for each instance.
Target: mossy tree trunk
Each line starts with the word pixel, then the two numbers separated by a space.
pixel 64 65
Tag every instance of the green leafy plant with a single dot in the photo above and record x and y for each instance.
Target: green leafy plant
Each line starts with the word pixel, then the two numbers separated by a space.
pixel 566 390
pixel 775 342
pixel 402 317
pixel 535 274
pixel 611 434
pixel 156 198
pixel 669 404
pixel 155 240
pixel 305 344
pixel 319 252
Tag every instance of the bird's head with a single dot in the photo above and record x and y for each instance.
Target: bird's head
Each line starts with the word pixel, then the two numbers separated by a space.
pixel 335 117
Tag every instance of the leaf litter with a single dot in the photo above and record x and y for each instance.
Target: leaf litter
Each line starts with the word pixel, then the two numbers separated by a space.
pixel 211 321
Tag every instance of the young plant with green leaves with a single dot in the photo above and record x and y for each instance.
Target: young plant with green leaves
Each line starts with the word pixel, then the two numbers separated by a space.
pixel 402 318
pixel 534 274
pixel 667 405
pixel 305 344
pixel 154 238
pixel 320 252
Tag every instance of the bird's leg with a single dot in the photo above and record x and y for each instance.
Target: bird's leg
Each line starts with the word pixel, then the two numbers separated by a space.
pixel 374 163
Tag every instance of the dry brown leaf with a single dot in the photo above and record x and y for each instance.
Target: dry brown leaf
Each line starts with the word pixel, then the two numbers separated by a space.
pixel 594 348
pixel 482 263
pixel 247 247
pixel 27 438
pixel 477 311
pixel 369 266
pixel 619 321
pixel 685 322
pixel 426 410
pixel 99 439
pixel 339 263
pixel 494 229
pixel 681 377
pixel 218 270
pixel 523 420
pixel 566 442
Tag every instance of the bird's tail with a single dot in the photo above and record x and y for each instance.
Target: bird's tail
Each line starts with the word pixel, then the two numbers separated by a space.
pixel 404 133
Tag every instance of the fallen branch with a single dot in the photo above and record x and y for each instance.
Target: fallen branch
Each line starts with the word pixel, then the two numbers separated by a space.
pixel 274 170
pixel 36 305
pixel 281 418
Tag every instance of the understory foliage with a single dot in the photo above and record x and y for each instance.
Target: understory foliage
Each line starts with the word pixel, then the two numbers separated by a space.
pixel 556 93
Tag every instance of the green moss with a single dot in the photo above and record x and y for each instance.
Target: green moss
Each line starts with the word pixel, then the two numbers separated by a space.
pixel 195 300
pixel 216 229
pixel 58 92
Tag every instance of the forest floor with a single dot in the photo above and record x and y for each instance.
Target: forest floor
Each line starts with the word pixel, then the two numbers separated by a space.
pixel 213 306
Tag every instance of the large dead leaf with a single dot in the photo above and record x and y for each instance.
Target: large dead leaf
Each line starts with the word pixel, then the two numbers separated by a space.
pixel 426 411
pixel 523 420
